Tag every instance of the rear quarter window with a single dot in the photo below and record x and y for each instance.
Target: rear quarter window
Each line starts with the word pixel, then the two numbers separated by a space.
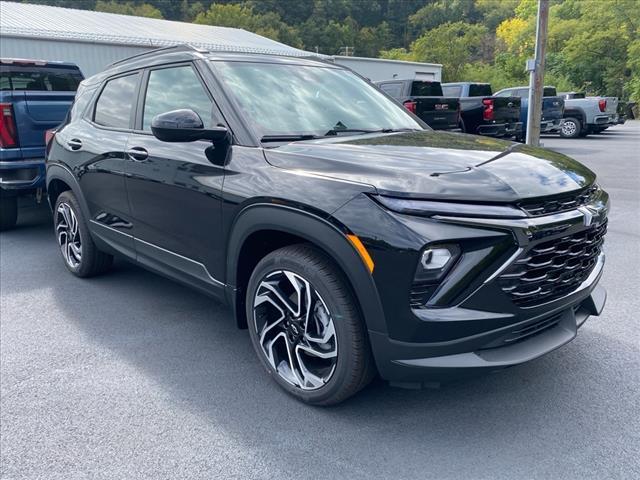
pixel 42 79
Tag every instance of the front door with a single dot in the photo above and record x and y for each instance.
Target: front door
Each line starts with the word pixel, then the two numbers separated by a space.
pixel 174 190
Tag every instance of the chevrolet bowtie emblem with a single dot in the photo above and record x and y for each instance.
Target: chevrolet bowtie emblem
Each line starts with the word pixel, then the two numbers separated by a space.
pixel 587 215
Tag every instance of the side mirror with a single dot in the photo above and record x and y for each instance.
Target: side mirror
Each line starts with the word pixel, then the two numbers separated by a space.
pixel 184 126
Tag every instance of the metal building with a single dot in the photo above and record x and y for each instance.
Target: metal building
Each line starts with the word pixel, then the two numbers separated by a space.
pixel 93 40
pixel 379 69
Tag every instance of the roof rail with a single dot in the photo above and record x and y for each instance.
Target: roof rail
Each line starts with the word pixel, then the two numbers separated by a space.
pixel 175 48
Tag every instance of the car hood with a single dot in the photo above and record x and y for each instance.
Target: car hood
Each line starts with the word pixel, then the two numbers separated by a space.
pixel 437 165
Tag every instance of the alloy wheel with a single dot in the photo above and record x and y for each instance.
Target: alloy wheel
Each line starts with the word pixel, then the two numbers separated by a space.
pixel 68 235
pixel 295 330
pixel 569 128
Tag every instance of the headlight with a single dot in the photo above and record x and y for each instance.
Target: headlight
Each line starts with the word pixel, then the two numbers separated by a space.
pixel 435 262
pixel 429 208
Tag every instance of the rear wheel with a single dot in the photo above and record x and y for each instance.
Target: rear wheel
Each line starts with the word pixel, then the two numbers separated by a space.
pixel 8 212
pixel 80 254
pixel 306 328
pixel 571 128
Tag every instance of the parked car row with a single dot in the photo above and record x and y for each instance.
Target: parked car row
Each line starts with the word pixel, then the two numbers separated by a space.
pixel 472 107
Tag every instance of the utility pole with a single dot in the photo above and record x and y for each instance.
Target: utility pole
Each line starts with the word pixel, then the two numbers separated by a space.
pixel 536 75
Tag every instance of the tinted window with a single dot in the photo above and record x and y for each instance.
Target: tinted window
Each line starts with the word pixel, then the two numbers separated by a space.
pixel 114 106
pixel 549 92
pixel 479 90
pixel 393 89
pixel 39 79
pixel 452 90
pixel 174 89
pixel 426 89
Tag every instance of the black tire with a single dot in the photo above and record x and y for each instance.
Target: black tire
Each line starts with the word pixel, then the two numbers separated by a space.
pixel 8 212
pixel 92 261
pixel 354 366
pixel 571 128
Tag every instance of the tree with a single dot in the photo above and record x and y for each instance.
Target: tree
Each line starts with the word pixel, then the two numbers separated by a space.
pixel 238 16
pixel 128 8
pixel 454 45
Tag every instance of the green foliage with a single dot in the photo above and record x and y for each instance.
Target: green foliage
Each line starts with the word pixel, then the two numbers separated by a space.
pixel 452 44
pixel 269 25
pixel 128 8
pixel 593 45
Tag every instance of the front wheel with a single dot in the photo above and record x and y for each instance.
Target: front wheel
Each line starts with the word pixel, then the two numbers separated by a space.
pixel 8 212
pixel 305 326
pixel 80 254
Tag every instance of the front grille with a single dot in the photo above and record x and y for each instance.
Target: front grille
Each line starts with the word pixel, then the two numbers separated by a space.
pixel 553 269
pixel 560 204
pixel 526 332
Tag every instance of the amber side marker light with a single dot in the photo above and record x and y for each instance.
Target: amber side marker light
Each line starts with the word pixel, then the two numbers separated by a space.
pixel 366 258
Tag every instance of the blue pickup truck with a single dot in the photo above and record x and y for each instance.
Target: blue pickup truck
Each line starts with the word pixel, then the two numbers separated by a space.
pixel 35 96
pixel 552 108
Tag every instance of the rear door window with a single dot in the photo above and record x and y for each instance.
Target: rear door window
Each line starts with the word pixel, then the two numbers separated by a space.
pixel 41 79
pixel 392 89
pixel 426 89
pixel 480 90
pixel 115 103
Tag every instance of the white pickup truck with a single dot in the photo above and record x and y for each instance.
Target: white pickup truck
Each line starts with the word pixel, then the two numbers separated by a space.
pixel 584 115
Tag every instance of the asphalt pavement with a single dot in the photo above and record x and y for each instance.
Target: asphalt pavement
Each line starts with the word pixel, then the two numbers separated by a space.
pixel 130 375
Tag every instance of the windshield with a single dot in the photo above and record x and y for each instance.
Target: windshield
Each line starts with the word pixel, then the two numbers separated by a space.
pixel 307 100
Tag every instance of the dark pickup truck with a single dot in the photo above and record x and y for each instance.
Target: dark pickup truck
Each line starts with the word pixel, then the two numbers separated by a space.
pixel 35 96
pixel 552 107
pixel 484 114
pixel 425 99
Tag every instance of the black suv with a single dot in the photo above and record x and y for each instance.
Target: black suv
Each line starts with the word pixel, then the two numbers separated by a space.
pixel 345 234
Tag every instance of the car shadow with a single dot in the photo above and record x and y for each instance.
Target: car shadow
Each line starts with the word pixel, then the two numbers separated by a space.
pixel 189 345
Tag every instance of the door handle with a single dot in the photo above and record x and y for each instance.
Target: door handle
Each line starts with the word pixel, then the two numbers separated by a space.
pixel 74 144
pixel 137 153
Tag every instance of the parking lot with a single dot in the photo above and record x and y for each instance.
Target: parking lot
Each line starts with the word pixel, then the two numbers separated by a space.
pixel 130 375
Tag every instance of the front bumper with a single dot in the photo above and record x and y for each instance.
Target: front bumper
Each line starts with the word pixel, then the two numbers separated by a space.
pixel 414 365
pixel 19 175
pixel 474 322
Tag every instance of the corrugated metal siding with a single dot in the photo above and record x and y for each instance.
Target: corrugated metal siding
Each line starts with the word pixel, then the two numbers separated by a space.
pixel 55 23
pixel 90 57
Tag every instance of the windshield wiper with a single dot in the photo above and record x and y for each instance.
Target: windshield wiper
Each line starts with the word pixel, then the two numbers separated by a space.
pixel 336 131
pixel 287 138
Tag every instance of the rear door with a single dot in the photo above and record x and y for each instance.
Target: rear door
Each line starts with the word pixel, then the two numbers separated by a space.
pixel 174 189
pixel 95 153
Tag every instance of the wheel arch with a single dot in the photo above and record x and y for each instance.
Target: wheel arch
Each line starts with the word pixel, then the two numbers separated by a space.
pixel 576 113
pixel 264 228
pixel 60 179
